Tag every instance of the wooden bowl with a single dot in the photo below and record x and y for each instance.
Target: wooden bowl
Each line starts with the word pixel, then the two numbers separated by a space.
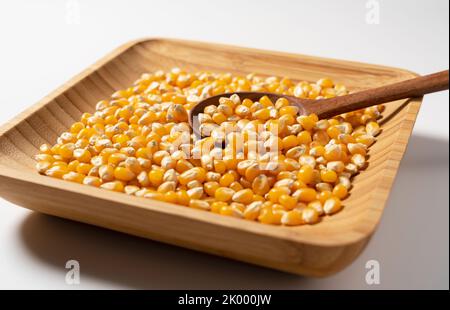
pixel 316 250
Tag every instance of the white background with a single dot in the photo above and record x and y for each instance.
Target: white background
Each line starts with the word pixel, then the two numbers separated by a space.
pixel 40 49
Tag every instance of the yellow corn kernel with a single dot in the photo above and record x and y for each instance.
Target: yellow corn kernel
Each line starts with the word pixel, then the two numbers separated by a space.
pixel 332 205
pixel 116 158
pixel 156 177
pixel 177 113
pixel 236 186
pixel 44 157
pixel 304 137
pixel 92 181
pixel 60 163
pixel 269 216
pixel 238 208
pixel 212 176
pixel 307 122
pixel 323 196
pixel 199 204
pixel 133 164
pixel 290 142
pixel 357 148
pixel 252 172
pixel 310 215
pixel 45 149
pixel 359 160
pixel 292 218
pixel 367 140
pixel 84 168
pixel 224 194
pixel 170 197
pixel 144 152
pixel 153 195
pixel 210 188
pixel 106 173
pixel 219 166
pixel 196 173
pixel 244 196
pixel 298 184
pixel 328 176
pixel 275 193
pixel 322 187
pixel 43 166
pixel 242 111
pixel 266 102
pixel 73 165
pixel 287 120
pixel 226 210
pixel 317 151
pixel 333 153
pixel 216 206
pixel 168 186
pixel 289 110
pixel 340 191
pixel 287 201
pixel 130 189
pixel 219 117
pixel 182 197
pixel 227 179
pixel 306 174
pixel 159 155
pixel 260 185
pixel 116 186
pixel 66 150
pixel 124 174
pixel 337 166
pixel 56 172
pixel 183 165
pixel 76 127
pixel 168 163
pixel 325 83
pixel 252 211
pixel 82 155
pixel 262 114
pixel 316 205
pixel 225 108
pixel 373 129
pixel 74 177
pixel 307 194
pixel 333 132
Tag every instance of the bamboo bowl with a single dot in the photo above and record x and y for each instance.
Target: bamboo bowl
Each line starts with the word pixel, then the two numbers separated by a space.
pixel 316 250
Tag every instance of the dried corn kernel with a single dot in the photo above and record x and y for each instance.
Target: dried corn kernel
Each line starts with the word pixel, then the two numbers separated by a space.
pixel 224 194
pixel 332 205
pixel 292 218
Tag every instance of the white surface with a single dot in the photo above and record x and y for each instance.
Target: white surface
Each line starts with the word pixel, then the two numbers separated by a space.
pixel 412 242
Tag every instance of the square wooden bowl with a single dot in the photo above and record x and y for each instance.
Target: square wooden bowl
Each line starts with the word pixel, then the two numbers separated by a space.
pixel 316 250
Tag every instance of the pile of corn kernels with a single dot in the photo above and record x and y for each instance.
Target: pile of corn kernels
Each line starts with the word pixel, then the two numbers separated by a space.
pixel 258 161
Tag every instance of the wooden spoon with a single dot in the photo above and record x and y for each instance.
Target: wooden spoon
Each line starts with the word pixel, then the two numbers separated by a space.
pixel 325 108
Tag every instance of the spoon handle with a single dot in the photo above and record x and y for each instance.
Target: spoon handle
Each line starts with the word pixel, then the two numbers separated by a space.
pixel 415 87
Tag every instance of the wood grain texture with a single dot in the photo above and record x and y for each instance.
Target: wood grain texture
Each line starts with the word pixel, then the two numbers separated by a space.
pixel 316 250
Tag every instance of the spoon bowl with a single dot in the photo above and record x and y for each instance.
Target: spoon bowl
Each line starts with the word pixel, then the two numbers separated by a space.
pixel 303 104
